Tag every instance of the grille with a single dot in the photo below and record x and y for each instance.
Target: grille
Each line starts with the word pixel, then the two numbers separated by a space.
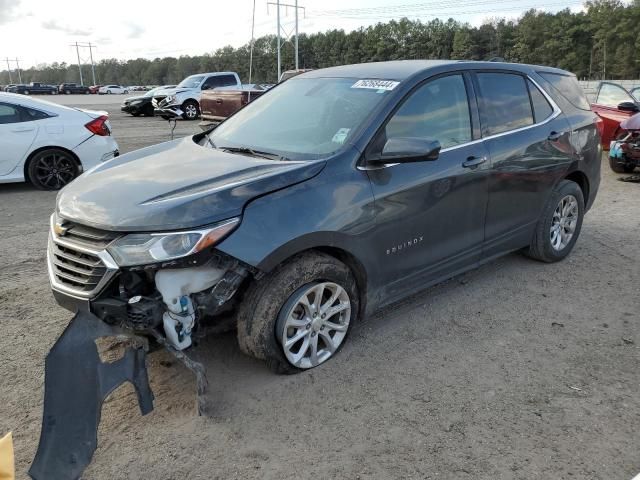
pixel 78 270
pixel 77 259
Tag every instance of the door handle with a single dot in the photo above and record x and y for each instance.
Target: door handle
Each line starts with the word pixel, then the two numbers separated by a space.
pixel 473 162
pixel 554 136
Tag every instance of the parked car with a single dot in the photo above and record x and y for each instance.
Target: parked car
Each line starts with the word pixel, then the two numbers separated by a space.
pixel 217 105
pixel 109 89
pixel 69 88
pixel 613 104
pixel 8 87
pixel 141 105
pixel 34 88
pixel 624 154
pixel 94 89
pixel 48 144
pixel 333 194
pixel 184 100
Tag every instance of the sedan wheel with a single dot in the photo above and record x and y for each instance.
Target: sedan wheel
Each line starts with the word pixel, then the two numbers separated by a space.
pixel 52 169
pixel 314 323
pixel 563 223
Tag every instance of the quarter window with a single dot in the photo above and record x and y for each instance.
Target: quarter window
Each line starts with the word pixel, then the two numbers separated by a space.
pixel 542 109
pixel 569 87
pixel 505 102
pixel 438 110
pixel 9 114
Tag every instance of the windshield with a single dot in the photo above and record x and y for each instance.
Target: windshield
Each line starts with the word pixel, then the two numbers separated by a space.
pixel 303 118
pixel 191 82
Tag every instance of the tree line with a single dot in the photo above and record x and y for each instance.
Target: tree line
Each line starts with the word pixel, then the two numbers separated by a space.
pixel 601 41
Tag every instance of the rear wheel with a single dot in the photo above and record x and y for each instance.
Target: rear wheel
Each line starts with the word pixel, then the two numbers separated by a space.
pixel 108 92
pixel 299 315
pixel 620 167
pixel 26 92
pixel 559 225
pixel 67 92
pixel 52 169
pixel 191 110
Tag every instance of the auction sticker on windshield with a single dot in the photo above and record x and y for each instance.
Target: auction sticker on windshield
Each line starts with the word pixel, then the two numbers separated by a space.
pixel 376 84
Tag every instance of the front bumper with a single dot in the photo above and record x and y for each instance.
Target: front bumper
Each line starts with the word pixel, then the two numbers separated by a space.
pixel 171 111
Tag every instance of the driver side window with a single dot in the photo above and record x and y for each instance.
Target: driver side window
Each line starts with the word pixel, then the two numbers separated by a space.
pixel 438 110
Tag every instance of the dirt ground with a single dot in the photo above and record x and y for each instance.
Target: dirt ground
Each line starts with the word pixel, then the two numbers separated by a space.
pixel 517 370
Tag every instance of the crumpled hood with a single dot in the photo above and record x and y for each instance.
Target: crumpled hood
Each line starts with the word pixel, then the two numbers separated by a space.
pixel 170 91
pixel 174 185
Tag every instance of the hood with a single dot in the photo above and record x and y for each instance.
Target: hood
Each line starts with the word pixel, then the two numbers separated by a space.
pixel 631 123
pixel 171 91
pixel 174 185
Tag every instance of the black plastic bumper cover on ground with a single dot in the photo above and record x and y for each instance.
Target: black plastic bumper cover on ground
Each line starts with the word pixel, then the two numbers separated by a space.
pixel 76 384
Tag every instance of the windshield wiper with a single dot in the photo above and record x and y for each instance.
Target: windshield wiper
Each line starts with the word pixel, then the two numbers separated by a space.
pixel 253 153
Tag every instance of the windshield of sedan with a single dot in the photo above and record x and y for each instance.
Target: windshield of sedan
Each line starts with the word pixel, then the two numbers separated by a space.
pixel 302 119
pixel 191 82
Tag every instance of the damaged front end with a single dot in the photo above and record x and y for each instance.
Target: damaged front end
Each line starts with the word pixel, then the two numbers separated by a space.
pixel 151 289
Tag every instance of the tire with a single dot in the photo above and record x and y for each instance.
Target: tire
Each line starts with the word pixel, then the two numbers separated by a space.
pixel 26 92
pixel 62 166
pixel 67 92
pixel 267 304
pixel 191 110
pixel 125 92
pixel 620 168
pixel 542 247
pixel 54 92
pixel 108 92
pixel 136 114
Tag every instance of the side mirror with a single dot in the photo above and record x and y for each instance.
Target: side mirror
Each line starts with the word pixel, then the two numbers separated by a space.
pixel 628 107
pixel 407 149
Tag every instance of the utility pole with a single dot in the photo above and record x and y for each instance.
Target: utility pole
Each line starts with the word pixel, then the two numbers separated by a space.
pixel 9 68
pixel 93 69
pixel 253 25
pixel 604 63
pixel 19 74
pixel 79 64
pixel 287 35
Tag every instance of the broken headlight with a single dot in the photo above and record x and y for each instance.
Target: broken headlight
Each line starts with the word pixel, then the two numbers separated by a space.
pixel 145 248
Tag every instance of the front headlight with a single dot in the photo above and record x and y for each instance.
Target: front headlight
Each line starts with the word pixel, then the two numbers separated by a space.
pixel 170 99
pixel 135 102
pixel 145 248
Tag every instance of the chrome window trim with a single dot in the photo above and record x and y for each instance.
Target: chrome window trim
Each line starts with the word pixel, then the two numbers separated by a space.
pixel 555 112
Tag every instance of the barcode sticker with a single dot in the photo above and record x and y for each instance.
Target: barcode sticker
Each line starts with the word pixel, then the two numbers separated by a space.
pixel 376 84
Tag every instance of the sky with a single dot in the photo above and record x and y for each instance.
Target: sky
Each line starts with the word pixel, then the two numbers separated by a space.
pixel 39 31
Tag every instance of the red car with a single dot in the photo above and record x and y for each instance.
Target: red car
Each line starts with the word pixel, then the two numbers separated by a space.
pixel 94 89
pixel 613 104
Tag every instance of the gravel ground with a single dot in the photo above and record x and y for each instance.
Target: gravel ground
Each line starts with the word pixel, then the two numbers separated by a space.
pixel 517 370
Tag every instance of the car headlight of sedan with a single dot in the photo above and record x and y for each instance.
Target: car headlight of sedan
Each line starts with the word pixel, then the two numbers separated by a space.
pixel 145 248
pixel 170 99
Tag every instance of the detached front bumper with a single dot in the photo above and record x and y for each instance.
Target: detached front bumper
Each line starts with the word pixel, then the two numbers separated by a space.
pixel 170 111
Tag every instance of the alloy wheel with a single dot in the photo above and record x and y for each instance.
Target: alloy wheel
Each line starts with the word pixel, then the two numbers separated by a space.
pixel 54 170
pixel 191 111
pixel 315 324
pixel 564 222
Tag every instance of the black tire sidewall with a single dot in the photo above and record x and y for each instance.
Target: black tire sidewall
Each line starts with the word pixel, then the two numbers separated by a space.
pixel 619 167
pixel 266 299
pixel 32 164
pixel 184 109
pixel 563 189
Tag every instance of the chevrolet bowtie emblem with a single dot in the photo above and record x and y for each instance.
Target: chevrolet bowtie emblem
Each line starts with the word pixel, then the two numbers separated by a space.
pixel 59 229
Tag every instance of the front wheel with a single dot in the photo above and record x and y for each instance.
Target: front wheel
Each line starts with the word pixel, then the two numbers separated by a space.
pixel 620 167
pixel 191 110
pixel 559 225
pixel 299 315
pixel 52 169
pixel 108 92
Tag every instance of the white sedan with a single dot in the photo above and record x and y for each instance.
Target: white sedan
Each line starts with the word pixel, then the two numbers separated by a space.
pixel 109 89
pixel 48 144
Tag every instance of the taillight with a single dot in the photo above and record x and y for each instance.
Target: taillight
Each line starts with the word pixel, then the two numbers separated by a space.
pixel 599 125
pixel 98 126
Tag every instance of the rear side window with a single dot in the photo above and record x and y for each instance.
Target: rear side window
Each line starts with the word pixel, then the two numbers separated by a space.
pixel 542 109
pixel 30 114
pixel 505 102
pixel 568 87
pixel 438 110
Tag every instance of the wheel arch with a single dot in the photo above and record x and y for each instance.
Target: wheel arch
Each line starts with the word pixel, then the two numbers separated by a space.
pixel 25 167
pixel 583 182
